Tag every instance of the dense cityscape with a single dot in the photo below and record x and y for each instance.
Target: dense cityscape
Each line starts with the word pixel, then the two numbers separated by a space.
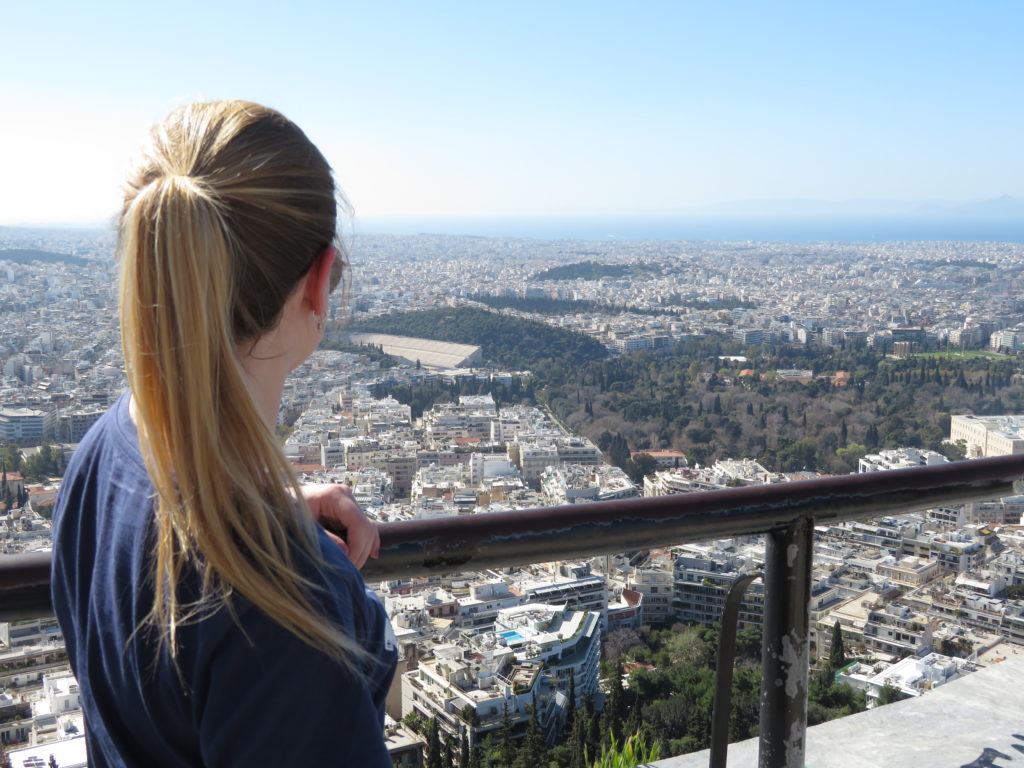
pixel 557 656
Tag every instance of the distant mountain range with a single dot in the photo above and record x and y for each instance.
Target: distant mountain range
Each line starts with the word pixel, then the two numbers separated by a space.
pixel 1005 206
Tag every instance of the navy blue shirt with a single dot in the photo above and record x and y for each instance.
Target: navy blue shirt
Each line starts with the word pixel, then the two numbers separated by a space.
pixel 246 692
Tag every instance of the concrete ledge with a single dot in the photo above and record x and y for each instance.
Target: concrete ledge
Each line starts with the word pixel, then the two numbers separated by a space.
pixel 970 723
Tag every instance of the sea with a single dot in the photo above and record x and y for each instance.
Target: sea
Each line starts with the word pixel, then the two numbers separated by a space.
pixel 789 229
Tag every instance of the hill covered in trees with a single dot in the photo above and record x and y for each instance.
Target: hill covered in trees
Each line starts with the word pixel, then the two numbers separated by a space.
pixel 592 270
pixel 505 342
pixel 545 305
pixel 690 399
pixel 27 256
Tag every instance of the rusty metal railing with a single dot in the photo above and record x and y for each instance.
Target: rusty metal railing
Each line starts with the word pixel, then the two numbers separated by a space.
pixel 785 513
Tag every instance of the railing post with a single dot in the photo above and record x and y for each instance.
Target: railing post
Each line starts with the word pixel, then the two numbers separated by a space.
pixel 787 587
pixel 723 672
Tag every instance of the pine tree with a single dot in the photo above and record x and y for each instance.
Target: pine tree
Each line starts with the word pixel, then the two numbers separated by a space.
pixel 871 438
pixel 837 653
pixel 614 706
pixel 534 749
pixel 506 749
pixel 593 723
pixel 448 752
pixel 570 708
pixel 433 745
pixel 578 740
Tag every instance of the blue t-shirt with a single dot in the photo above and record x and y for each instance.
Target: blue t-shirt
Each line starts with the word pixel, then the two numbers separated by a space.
pixel 246 692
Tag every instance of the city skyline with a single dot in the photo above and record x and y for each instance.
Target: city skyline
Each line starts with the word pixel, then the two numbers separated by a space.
pixel 580 110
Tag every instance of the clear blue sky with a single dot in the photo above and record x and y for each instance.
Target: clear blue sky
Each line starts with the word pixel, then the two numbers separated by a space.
pixel 518 108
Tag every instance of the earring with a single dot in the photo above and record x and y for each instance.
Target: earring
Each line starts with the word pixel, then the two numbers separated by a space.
pixel 319 320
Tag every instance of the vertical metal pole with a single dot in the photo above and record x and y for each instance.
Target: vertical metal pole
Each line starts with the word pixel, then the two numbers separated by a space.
pixel 787 586
pixel 723 673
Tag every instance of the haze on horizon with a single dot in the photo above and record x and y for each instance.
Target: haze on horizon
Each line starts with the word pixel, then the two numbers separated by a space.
pixel 583 109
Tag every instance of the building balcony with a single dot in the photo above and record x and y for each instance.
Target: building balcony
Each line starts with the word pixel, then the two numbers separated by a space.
pixel 785 514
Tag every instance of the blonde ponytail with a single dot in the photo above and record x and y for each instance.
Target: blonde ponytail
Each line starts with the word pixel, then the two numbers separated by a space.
pixel 221 220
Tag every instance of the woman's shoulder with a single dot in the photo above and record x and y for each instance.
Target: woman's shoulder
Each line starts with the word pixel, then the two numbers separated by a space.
pixel 106 482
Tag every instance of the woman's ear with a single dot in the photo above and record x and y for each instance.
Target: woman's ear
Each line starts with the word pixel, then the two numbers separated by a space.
pixel 318 280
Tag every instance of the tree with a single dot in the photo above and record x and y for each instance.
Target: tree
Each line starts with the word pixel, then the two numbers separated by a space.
pixel 640 466
pixel 578 740
pixel 433 745
pixel 506 752
pixel 686 646
pixel 570 708
pixel 12 457
pixel 448 752
pixel 415 722
pixel 615 703
pixel 888 694
pixel 618 642
pixel 871 438
pixel 851 455
pixel 534 749
pixel 837 653
pixel 1015 592
pixel 470 715
pixel 955 451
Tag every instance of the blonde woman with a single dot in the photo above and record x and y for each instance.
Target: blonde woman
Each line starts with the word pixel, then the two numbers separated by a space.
pixel 209 618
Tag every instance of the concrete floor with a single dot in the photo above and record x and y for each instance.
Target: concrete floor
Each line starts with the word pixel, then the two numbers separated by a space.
pixel 974 722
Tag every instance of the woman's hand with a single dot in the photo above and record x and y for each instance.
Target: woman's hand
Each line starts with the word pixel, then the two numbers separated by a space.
pixel 335 508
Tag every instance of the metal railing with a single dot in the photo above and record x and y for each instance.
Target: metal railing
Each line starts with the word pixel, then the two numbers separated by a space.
pixel 785 513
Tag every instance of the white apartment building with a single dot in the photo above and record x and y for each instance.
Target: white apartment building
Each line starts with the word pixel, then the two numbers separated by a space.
pixel 72 425
pixel 433 482
pixel 1005 511
pixel 955 551
pixel 900 458
pixel 470 419
pixel 534 454
pixel 480 610
pixel 989 435
pixel 673 481
pixel 588 593
pixel 374 416
pixel 1008 338
pixel 575 483
pixel 31 632
pixel 26 424
pixel 530 657
pixel 489 466
pixel 908 571
pixel 655 583
pixel 701 585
